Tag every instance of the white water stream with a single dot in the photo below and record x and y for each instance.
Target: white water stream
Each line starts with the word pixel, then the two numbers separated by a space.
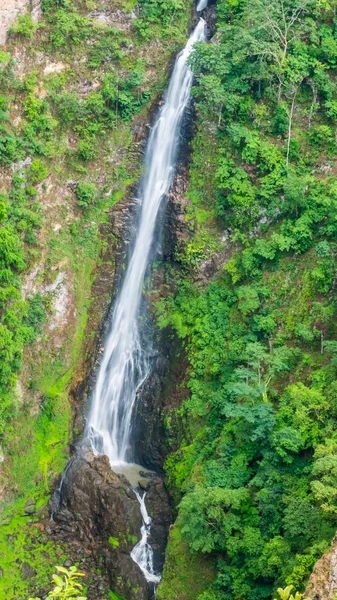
pixel 202 4
pixel 125 363
pixel 142 553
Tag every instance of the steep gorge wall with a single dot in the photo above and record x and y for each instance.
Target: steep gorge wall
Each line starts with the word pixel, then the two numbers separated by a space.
pixel 70 268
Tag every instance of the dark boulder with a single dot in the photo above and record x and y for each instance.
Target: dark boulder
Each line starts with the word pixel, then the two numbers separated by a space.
pixel 26 571
pixel 148 432
pixel 100 509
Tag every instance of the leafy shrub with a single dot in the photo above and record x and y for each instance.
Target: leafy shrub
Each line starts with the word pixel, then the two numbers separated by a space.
pixel 85 193
pixel 158 12
pixel 25 27
pixel 323 249
pixel 286 594
pixel 67 587
pixel 69 29
pixel 5 58
pixel 108 47
pixel 36 314
pixel 10 149
pixel 87 149
pixel 38 170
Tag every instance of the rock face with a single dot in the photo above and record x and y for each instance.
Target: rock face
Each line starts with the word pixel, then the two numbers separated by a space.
pixel 148 434
pixel 95 504
pixel 323 580
pixel 100 509
pixel 9 11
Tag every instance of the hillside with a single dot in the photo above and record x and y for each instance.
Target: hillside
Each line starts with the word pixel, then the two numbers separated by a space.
pixel 254 471
pixel 241 411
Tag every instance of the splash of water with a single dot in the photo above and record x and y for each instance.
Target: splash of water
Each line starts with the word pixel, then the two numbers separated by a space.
pixel 125 364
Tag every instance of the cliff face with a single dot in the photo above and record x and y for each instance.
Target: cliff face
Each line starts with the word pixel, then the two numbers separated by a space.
pixel 99 511
pixel 9 11
pixel 322 584
pixel 73 246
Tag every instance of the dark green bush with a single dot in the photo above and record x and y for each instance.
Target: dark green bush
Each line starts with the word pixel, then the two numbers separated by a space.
pixel 86 193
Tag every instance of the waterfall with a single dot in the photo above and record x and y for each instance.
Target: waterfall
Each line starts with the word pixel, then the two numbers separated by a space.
pixel 202 4
pixel 125 363
pixel 142 553
pixel 58 492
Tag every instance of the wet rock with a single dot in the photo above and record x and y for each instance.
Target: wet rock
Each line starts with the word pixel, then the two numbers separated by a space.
pixel 211 266
pixel 159 509
pixel 148 434
pixel 42 512
pixel 96 505
pixel 30 507
pixel 177 231
pixel 139 132
pixel 27 572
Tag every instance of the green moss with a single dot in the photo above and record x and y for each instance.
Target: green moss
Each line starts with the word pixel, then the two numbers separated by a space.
pixel 186 575
pixel 21 543
pixel 114 596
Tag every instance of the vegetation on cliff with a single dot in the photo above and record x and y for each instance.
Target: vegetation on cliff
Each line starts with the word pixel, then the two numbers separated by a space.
pixel 66 585
pixel 75 93
pixel 256 474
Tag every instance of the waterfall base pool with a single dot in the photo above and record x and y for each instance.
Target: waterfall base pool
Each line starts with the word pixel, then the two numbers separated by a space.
pixel 136 475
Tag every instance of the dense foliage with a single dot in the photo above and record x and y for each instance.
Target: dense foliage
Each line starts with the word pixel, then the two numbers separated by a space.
pixel 72 88
pixel 257 475
pixel 59 124
pixel 20 321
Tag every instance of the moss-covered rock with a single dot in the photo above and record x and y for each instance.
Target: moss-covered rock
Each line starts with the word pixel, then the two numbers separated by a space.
pixel 186 574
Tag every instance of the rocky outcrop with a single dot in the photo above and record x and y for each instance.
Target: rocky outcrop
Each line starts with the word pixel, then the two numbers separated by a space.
pixel 96 507
pixel 148 434
pixel 99 508
pixel 177 232
pixel 323 580
pixel 11 9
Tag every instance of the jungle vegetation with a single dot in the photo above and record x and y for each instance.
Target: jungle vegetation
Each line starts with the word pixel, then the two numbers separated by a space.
pixel 71 90
pixel 253 464
pixel 255 477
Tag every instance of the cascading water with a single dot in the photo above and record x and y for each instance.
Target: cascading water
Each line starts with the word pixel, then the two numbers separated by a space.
pixel 142 553
pixel 125 363
pixel 202 4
